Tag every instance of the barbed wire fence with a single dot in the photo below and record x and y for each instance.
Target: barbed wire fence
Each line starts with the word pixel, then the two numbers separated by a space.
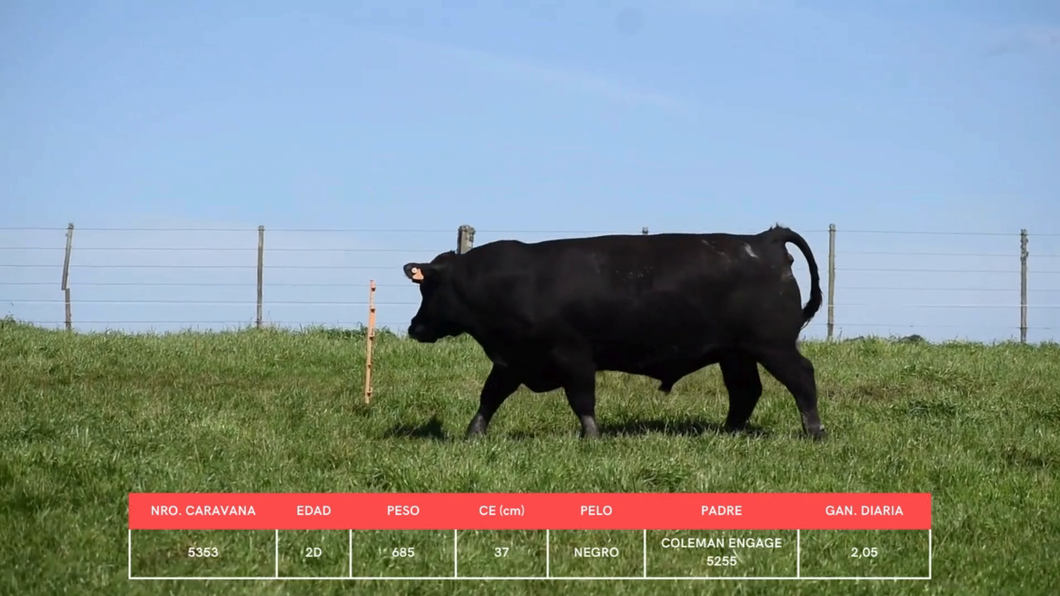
pixel 287 277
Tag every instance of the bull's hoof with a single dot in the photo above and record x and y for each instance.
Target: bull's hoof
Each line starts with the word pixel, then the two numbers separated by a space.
pixel 590 432
pixel 817 434
pixel 736 428
pixel 476 429
pixel 589 429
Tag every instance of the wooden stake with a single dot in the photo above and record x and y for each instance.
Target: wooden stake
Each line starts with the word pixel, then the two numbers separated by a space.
pixel 369 340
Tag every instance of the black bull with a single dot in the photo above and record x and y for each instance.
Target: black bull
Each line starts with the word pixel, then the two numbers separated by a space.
pixel 551 314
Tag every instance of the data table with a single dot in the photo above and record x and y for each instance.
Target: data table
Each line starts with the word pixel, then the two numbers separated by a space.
pixel 529 536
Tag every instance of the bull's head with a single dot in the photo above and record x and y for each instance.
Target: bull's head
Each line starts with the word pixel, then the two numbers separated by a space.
pixel 439 314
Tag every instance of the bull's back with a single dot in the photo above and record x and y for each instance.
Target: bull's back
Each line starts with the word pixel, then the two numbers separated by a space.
pixel 635 300
pixel 654 300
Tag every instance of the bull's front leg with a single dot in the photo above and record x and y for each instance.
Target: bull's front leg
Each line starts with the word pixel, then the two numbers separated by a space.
pixel 499 385
pixel 581 395
pixel 575 366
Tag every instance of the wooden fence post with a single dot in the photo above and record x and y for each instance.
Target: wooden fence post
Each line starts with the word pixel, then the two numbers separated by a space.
pixel 66 276
pixel 261 270
pixel 831 280
pixel 369 339
pixel 1023 286
pixel 465 239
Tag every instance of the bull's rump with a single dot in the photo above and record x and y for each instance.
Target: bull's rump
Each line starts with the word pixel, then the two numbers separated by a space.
pixel 653 305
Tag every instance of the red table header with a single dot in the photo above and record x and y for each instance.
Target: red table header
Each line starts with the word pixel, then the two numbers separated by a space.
pixel 530 511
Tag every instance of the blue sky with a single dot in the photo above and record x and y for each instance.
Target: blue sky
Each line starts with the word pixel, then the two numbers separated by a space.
pixel 398 121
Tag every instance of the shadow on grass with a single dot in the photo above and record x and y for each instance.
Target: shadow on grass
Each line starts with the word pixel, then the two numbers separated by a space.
pixel 685 428
pixel 675 428
pixel 430 430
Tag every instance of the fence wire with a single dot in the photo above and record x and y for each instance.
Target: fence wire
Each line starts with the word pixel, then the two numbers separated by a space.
pixel 982 283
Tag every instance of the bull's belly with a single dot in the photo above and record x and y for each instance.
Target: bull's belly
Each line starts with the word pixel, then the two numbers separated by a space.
pixel 541 374
pixel 542 369
pixel 674 370
pixel 666 365
pixel 546 374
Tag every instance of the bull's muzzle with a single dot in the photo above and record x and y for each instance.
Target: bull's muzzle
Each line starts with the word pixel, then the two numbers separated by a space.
pixel 420 333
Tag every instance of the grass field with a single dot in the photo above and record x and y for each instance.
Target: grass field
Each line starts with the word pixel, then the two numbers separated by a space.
pixel 88 418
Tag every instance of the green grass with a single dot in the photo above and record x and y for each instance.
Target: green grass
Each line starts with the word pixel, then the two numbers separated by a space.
pixel 88 418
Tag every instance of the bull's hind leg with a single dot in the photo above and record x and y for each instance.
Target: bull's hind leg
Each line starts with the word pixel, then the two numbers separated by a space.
pixel 795 372
pixel 740 373
pixel 499 385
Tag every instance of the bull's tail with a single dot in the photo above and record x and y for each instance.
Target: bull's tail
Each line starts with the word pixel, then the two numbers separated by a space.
pixel 784 235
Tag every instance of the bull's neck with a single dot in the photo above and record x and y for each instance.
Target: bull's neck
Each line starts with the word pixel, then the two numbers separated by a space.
pixel 491 340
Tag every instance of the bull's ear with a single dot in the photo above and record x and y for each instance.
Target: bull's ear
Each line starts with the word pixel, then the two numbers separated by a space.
pixel 414 271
